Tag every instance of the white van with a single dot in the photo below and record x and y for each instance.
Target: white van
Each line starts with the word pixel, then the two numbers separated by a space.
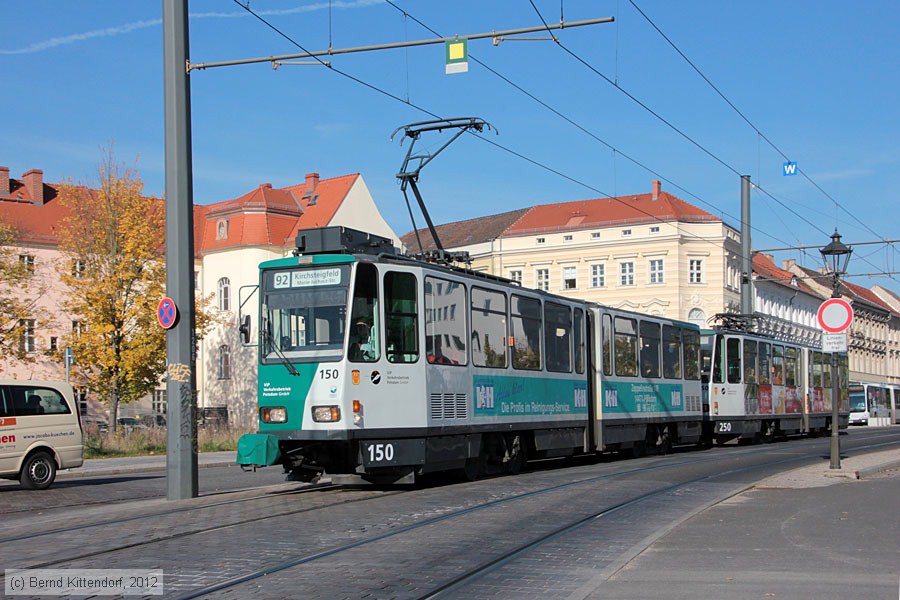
pixel 39 431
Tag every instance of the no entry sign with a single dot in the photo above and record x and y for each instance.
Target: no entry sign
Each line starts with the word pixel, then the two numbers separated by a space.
pixel 835 315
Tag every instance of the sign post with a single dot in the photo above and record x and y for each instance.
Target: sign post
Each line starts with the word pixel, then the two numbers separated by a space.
pixel 835 316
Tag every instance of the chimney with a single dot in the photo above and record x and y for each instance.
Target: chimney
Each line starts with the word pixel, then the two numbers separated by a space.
pixel 4 181
pixel 34 183
pixel 657 188
pixel 312 180
pixel 787 265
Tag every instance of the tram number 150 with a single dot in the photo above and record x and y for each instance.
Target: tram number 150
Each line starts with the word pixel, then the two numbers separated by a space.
pixel 381 453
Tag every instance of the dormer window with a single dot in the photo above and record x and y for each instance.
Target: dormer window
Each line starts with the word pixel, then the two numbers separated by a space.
pixel 222 229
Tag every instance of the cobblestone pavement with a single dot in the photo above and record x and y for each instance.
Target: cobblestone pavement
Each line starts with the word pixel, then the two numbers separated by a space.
pixel 207 540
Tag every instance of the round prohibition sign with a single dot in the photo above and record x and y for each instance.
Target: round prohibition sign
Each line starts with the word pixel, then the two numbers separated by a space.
pixel 166 313
pixel 835 315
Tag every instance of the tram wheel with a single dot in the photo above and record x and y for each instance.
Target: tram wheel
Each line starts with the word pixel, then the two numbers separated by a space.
pixel 515 454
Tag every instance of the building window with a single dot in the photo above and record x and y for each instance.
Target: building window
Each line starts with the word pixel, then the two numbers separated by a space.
pixel 54 343
pixel 224 362
pixel 697 317
pixel 541 240
pixel 542 276
pixel 224 294
pixel 595 236
pixel 598 276
pixel 222 229
pixel 78 269
pixel 567 238
pixel 27 262
pixel 159 402
pixel 81 399
pixel 516 276
pixel 26 338
pixel 654 230
pixel 626 232
pixel 626 273
pixel 77 328
pixel 696 270
pixel 196 280
pixel 656 271
pixel 570 278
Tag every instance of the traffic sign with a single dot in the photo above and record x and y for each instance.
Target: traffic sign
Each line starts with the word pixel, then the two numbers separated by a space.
pixel 834 342
pixel 166 313
pixel 835 315
pixel 457 54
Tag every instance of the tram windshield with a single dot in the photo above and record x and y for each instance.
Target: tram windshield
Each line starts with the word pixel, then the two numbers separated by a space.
pixel 304 314
pixel 858 401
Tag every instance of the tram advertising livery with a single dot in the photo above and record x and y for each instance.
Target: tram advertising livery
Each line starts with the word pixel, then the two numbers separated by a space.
pixel 377 367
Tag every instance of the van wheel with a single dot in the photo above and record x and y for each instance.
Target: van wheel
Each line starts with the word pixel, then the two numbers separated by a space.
pixel 38 472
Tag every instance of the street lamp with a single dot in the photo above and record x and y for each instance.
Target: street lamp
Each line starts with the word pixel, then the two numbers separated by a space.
pixel 836 256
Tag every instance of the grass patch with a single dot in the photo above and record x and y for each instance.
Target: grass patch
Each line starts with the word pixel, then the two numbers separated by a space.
pixel 152 441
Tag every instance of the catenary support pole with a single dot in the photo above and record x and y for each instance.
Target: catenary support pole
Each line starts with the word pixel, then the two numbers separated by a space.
pixel 746 258
pixel 181 459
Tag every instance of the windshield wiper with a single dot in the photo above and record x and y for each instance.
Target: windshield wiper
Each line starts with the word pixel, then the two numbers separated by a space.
pixel 287 364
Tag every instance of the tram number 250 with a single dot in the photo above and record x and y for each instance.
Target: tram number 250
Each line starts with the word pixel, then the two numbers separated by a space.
pixel 381 453
pixel 724 427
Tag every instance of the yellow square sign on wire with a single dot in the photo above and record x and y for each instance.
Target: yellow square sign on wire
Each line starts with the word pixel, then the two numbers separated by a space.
pixel 457 53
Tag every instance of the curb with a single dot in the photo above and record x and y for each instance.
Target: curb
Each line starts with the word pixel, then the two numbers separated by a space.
pixel 73 474
pixel 869 471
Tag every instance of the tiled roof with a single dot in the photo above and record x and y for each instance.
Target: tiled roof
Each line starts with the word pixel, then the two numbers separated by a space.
pixel 565 216
pixel 265 216
pixel 463 233
pixel 765 267
pixel 856 292
pixel 605 212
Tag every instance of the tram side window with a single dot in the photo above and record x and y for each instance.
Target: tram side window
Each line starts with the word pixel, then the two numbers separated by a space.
pixel 626 347
pixel 815 369
pixel 526 333
pixel 733 349
pixel 778 365
pixel 719 359
pixel 363 341
pixel 750 369
pixel 790 366
pixel 445 322
pixel 650 342
pixel 826 371
pixel 765 363
pixel 606 340
pixel 558 337
pixel 671 352
pixel 401 318
pixel 489 329
pixel 578 331
pixel 691 341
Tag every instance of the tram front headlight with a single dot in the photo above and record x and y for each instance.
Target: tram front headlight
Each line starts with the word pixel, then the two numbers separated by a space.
pixel 326 414
pixel 273 414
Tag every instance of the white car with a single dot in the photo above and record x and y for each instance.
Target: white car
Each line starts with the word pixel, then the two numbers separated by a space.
pixel 40 431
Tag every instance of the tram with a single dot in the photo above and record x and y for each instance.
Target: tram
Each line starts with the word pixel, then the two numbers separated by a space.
pixel 758 387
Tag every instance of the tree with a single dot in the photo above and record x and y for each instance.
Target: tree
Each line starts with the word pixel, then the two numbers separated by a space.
pixel 114 242
pixel 17 305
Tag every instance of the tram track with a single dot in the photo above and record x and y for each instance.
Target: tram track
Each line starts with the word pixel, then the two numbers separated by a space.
pixel 662 465
pixel 498 561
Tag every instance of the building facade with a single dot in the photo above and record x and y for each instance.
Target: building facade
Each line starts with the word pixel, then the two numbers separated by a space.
pixel 231 238
pixel 652 253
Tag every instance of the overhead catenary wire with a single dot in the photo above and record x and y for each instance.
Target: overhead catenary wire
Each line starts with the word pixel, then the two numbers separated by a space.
pixel 747 120
pixel 680 132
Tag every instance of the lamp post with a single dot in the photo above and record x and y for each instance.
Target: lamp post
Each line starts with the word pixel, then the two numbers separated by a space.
pixel 836 256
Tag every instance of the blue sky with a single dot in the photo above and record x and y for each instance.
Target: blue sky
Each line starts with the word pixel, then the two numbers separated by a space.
pixel 819 79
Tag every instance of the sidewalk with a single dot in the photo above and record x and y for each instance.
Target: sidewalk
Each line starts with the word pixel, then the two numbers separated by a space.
pixel 812 532
pixel 132 464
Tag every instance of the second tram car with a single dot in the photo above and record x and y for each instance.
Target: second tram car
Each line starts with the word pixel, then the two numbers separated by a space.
pixel 757 387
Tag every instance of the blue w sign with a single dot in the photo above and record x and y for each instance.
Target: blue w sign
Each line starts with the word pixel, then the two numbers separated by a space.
pixel 790 168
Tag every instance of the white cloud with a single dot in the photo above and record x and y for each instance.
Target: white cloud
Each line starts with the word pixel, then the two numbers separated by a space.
pixel 129 27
